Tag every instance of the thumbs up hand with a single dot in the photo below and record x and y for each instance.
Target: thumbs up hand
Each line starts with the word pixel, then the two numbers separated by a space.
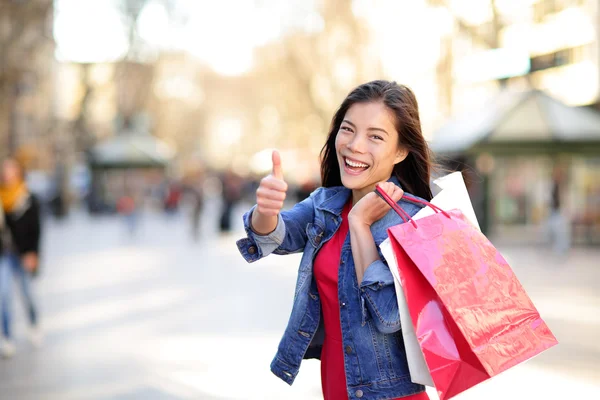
pixel 272 190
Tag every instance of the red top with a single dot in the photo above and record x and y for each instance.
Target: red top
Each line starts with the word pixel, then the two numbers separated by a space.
pixel 326 268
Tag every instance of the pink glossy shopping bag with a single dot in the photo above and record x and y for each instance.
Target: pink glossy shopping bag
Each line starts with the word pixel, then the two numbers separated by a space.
pixel 472 317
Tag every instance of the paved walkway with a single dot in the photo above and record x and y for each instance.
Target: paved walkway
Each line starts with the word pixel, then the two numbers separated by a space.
pixel 160 317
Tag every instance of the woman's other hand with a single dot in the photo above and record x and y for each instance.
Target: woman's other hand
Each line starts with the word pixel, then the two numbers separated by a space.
pixel 371 207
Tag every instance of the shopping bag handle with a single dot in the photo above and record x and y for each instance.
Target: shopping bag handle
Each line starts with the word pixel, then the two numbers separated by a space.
pixel 403 214
pixel 412 199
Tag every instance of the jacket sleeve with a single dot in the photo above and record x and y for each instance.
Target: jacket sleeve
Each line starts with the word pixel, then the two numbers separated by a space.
pixel 288 237
pixel 378 294
pixel 378 297
pixel 35 225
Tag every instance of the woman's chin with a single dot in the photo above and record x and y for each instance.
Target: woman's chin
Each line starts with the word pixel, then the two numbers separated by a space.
pixel 353 182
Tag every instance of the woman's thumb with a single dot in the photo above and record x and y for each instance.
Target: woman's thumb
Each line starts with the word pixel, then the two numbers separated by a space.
pixel 277 171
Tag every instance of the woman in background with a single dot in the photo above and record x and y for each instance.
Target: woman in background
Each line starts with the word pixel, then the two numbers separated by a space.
pixel 20 243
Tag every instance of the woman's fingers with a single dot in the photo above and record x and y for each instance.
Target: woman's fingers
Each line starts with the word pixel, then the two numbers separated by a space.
pixel 397 193
pixel 270 182
pixel 270 204
pixel 268 201
pixel 392 190
pixel 270 194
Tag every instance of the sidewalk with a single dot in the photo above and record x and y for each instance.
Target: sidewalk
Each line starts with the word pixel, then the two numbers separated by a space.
pixel 160 317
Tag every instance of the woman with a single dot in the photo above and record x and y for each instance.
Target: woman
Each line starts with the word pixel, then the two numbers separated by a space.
pixel 375 138
pixel 21 247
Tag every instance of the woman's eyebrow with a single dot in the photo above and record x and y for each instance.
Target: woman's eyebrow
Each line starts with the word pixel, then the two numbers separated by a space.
pixel 378 129
pixel 369 129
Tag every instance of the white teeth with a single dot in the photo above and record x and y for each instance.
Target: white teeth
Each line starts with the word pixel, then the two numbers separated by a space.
pixel 355 164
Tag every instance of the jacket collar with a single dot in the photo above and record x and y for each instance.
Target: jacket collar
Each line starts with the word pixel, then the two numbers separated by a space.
pixel 335 198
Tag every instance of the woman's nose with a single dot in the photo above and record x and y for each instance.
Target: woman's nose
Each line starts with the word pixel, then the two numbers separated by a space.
pixel 356 145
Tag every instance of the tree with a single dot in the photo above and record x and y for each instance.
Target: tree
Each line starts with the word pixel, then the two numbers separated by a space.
pixel 133 73
pixel 26 51
pixel 308 74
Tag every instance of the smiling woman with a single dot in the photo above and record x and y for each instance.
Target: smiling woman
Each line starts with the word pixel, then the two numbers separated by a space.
pixel 345 309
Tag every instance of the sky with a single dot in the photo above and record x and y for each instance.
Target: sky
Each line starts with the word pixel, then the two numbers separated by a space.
pixel 221 33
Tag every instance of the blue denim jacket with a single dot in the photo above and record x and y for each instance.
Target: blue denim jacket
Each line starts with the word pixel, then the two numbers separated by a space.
pixel 374 354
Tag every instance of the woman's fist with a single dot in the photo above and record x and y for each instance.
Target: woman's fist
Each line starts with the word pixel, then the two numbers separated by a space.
pixel 371 207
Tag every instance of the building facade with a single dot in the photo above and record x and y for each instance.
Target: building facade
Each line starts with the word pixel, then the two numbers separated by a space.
pixel 546 45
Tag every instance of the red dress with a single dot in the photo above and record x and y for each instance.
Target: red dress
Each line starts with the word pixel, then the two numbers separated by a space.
pixel 327 261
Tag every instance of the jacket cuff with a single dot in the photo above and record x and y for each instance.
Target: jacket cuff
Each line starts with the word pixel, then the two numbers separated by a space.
pixel 254 246
pixel 377 276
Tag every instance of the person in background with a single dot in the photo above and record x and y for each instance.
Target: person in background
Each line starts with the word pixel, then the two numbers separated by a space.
pixel 559 225
pixel 127 207
pixel 193 189
pixel 231 194
pixel 172 198
pixel 20 260
pixel 305 189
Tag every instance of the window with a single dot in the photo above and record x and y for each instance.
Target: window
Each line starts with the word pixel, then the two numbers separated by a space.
pixel 559 58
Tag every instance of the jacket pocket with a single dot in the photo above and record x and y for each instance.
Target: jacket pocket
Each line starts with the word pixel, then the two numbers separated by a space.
pixel 314 232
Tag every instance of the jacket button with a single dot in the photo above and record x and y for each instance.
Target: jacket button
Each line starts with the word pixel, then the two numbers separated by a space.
pixel 318 239
pixel 252 250
pixel 313 296
pixel 348 350
pixel 359 393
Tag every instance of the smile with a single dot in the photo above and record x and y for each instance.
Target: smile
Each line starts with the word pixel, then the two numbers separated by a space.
pixel 354 167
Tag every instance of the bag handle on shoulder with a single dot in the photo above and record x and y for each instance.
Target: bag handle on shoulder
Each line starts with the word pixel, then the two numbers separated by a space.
pixel 403 214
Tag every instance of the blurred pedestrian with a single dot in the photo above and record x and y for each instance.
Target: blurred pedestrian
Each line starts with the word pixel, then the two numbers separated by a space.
pixel 196 212
pixel 20 243
pixel 305 189
pixel 345 310
pixel 172 198
pixel 192 185
pixel 231 194
pixel 558 225
pixel 127 208
pixel 195 195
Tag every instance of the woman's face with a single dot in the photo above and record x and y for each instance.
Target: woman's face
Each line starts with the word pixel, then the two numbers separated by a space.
pixel 367 146
pixel 10 172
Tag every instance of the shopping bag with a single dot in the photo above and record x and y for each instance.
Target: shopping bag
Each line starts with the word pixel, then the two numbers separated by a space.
pixel 419 372
pixel 472 318
pixel 453 195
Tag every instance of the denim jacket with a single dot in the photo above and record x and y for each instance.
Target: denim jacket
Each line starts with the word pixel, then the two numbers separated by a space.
pixel 375 359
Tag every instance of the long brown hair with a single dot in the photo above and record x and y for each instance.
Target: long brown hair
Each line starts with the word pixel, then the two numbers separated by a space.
pixel 414 172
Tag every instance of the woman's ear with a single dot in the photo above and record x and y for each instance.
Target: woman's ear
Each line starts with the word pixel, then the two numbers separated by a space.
pixel 401 154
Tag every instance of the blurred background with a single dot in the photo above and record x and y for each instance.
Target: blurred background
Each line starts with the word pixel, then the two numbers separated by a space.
pixel 145 126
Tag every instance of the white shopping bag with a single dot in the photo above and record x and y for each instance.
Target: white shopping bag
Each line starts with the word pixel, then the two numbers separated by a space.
pixel 452 196
pixel 419 373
